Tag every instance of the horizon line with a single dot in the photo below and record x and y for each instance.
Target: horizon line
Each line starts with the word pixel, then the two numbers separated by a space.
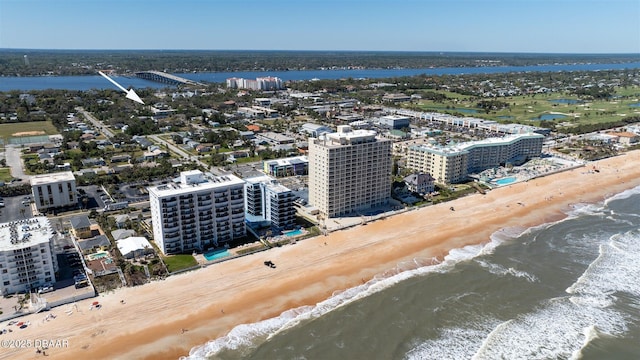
pixel 343 51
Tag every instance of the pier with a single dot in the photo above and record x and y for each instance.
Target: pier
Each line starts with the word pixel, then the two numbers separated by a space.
pixel 162 77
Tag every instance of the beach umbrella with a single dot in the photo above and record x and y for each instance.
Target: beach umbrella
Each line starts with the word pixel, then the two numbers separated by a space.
pixel 20 324
pixel 95 303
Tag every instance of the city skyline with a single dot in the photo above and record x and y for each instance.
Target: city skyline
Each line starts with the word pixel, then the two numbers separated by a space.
pixel 527 26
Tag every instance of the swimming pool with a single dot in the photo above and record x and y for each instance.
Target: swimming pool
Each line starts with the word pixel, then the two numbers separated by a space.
pixel 505 181
pixel 98 255
pixel 216 254
pixel 294 232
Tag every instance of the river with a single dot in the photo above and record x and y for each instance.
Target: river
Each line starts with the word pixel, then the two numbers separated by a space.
pixel 97 82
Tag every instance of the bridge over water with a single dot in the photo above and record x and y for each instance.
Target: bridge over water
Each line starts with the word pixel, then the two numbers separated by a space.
pixel 162 77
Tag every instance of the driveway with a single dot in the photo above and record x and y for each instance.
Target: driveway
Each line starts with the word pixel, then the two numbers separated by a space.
pixel 14 161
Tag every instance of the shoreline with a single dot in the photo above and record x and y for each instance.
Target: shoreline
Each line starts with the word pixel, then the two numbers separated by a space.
pixel 209 302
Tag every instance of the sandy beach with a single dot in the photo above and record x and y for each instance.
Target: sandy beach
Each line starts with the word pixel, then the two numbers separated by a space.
pixel 165 319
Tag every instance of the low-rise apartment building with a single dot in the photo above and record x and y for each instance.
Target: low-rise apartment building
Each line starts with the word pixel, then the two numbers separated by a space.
pixel 56 190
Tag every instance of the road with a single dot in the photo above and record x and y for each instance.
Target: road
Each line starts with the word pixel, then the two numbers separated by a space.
pixel 157 139
pixel 13 153
pixel 96 123
pixel 177 150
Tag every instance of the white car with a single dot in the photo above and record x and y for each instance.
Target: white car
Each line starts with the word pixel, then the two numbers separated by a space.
pixel 46 289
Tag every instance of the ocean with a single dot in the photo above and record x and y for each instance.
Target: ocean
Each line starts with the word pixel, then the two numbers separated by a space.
pixel 563 290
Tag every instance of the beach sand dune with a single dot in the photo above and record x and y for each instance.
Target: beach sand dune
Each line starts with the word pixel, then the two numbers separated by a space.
pixel 165 319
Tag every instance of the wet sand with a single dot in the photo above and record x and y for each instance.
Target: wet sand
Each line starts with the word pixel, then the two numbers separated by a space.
pixel 165 319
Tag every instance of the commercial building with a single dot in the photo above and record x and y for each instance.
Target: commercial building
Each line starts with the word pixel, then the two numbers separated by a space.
pixel 269 203
pixel 27 259
pixel 453 164
pixel 315 130
pixel 298 165
pixel 349 172
pixel 54 190
pixel 394 122
pixel 199 212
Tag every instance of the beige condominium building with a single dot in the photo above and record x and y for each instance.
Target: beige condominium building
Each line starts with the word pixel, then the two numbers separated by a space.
pixel 349 172
pixel 453 164
pixel 197 213
pixel 56 190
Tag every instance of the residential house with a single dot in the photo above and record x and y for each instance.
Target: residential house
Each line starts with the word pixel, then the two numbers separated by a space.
pixel 81 227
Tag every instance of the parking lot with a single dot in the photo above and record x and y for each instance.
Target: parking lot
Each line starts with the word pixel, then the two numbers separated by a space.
pixel 93 193
pixel 16 208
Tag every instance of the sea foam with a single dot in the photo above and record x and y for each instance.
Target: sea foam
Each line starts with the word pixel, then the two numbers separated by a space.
pixel 559 327
pixel 249 335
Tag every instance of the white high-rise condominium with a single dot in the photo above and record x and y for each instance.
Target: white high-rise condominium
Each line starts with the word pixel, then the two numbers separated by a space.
pixel 198 213
pixel 349 172
pixel 270 201
pixel 27 258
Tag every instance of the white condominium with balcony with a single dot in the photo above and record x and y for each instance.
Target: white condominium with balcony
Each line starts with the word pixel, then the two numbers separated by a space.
pixel 453 164
pixel 54 190
pixel 198 213
pixel 267 200
pixel 27 259
pixel 349 172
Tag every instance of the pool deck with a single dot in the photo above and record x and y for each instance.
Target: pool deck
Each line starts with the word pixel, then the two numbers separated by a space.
pixel 532 169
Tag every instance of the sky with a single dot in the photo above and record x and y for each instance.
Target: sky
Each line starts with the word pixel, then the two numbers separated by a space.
pixel 532 26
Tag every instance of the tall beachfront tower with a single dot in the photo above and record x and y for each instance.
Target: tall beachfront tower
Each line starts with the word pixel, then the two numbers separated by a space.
pixel 349 172
pixel 27 257
pixel 199 212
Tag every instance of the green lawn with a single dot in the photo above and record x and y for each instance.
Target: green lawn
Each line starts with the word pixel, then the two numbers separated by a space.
pixel 179 262
pixel 527 109
pixel 5 174
pixel 7 130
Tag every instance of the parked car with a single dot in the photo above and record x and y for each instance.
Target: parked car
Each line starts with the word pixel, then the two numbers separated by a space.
pixel 46 289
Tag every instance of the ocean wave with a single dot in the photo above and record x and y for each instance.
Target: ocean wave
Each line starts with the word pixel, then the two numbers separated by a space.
pixel 560 327
pixel 590 334
pixel 586 209
pixel 454 343
pixel 503 271
pixel 554 331
pixel 615 268
pixel 249 335
pixel 623 195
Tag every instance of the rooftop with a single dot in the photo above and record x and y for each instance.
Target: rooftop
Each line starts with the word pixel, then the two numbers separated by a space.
pixel 195 180
pixel 24 233
pixel 288 161
pixel 132 244
pixel 347 136
pixel 52 178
